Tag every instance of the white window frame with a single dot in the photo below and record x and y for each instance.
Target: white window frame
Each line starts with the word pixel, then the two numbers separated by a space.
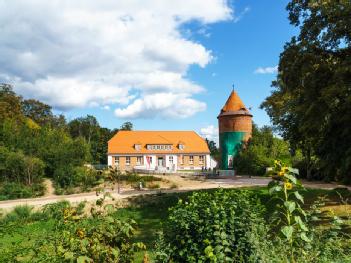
pixel 191 159
pixel 116 161
pixel 127 160
pixel 139 160
pixel 182 159
pixel 170 159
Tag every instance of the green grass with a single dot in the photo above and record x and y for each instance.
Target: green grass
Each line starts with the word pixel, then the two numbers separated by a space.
pixel 149 212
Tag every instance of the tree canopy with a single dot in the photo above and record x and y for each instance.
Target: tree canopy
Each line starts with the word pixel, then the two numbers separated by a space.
pixel 311 101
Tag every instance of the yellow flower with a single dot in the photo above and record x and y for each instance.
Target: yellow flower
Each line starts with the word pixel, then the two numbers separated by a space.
pixel 281 173
pixel 285 169
pixel 288 185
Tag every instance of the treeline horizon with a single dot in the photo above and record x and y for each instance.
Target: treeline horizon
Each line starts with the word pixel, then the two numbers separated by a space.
pixel 35 143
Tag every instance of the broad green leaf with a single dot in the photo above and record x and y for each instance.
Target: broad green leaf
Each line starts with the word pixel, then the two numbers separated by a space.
pixel 293 170
pixel 287 231
pixel 298 196
pixel 304 237
pixel 290 206
pixel 276 188
pixel 291 178
pixel 300 223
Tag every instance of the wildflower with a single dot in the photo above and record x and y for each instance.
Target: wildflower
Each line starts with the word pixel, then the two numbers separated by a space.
pixel 285 169
pixel 288 185
pixel 281 173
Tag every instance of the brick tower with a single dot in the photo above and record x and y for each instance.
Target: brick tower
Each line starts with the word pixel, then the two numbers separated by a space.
pixel 235 127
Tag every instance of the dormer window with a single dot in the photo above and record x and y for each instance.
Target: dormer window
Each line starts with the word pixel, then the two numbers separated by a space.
pixel 137 147
pixel 181 146
pixel 159 147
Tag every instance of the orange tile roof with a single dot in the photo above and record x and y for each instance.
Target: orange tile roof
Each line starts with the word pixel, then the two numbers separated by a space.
pixel 234 103
pixel 123 142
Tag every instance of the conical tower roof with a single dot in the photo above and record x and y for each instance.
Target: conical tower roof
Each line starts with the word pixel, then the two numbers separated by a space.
pixel 234 105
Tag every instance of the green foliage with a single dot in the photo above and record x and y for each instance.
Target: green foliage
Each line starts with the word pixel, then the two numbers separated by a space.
pixel 35 143
pixel 96 136
pixel 100 237
pixel 12 190
pixel 311 101
pixel 68 177
pixel 262 149
pixel 213 148
pixel 15 166
pixel 216 227
pixel 127 126
pixel 298 234
pixel 19 214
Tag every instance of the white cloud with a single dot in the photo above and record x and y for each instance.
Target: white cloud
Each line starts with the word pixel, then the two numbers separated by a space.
pixel 93 53
pixel 210 132
pixel 266 70
pixel 161 105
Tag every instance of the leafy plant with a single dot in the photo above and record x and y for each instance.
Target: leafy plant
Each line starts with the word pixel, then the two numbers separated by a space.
pixel 220 226
pixel 100 237
pixel 289 215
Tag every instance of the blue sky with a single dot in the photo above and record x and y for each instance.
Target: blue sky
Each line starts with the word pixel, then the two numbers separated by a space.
pixel 192 53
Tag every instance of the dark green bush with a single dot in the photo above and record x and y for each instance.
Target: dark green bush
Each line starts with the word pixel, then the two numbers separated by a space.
pixel 222 226
pixel 12 190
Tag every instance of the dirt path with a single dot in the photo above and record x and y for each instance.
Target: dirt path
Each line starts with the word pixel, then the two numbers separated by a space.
pixel 183 184
pixel 50 190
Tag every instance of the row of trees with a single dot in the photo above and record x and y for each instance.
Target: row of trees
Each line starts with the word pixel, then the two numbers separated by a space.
pixel 311 101
pixel 34 142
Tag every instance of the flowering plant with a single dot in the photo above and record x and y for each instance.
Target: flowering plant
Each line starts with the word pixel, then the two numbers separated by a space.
pixel 289 215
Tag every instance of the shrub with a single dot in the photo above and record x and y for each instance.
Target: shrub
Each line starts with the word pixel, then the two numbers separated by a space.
pixel 216 227
pixel 20 213
pixel 12 190
pixel 79 238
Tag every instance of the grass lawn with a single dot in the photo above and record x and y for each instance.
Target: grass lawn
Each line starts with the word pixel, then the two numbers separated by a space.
pixel 150 214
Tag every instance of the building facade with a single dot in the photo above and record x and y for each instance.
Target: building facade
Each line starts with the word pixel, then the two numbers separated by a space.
pixel 235 128
pixel 164 151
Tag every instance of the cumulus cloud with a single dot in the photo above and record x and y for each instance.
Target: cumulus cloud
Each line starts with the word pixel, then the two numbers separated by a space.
pixel 210 132
pixel 266 70
pixel 96 53
pixel 161 105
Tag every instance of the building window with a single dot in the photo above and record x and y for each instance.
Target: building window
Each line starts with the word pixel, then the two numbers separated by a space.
pixel 148 147
pixel 128 160
pixel 139 160
pixel 201 159
pixel 182 159
pixel 137 147
pixel 116 161
pixel 181 146
pixel 191 159
pixel 158 147
pixel 171 159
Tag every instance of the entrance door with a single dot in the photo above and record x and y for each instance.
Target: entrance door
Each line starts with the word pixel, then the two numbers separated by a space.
pixel 160 161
